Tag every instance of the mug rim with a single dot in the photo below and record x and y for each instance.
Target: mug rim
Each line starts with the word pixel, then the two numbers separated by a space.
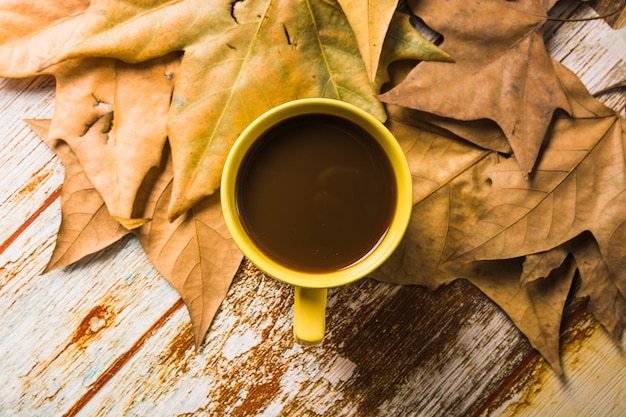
pixel 404 195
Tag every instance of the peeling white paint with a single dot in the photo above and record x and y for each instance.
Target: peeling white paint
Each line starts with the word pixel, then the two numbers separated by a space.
pixel 615 42
pixel 341 370
pixel 240 343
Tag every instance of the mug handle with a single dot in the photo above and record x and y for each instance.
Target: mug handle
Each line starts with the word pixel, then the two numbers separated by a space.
pixel 309 315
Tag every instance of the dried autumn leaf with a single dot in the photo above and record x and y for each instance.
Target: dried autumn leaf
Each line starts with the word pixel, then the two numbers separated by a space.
pixel 450 185
pixel 587 193
pixel 195 252
pixel 579 185
pixel 579 182
pixel 97 106
pixel 404 42
pixel 484 133
pixel 540 265
pixel 86 225
pixel 370 20
pixel 90 94
pixel 502 71
pixel 236 54
pixel 536 308
pixel 606 302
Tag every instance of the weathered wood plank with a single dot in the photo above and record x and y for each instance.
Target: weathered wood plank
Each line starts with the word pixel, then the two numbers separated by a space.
pixel 609 7
pixel 390 350
pixel 60 331
pixel 108 336
pixel 593 384
pixel 30 171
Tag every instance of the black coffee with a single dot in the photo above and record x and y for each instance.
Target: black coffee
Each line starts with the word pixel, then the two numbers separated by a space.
pixel 316 193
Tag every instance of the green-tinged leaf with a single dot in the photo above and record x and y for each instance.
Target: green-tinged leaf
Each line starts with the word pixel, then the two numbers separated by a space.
pixel 404 42
pixel 369 20
pixel 374 22
pixel 240 59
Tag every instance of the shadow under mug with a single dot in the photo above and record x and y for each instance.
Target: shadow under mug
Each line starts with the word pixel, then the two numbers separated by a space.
pixel 311 287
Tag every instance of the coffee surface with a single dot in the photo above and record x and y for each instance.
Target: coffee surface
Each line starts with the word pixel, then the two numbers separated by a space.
pixel 316 193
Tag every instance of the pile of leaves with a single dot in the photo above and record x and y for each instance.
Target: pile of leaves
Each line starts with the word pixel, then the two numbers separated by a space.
pixel 519 173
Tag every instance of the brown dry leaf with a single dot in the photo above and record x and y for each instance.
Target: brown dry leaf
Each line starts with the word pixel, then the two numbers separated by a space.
pixel 606 302
pixel 98 104
pixel 610 231
pixel 540 265
pixel 235 56
pixel 483 132
pixel 86 225
pixel 579 185
pixel 450 185
pixel 195 252
pixel 536 308
pixel 502 71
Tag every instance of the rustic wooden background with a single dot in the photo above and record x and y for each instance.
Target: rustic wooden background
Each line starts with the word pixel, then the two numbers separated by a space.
pixel 109 337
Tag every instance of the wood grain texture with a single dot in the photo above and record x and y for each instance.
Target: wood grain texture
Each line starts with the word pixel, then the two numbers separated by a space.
pixel 31 172
pixel 384 344
pixel 592 360
pixel 108 336
pixel 614 10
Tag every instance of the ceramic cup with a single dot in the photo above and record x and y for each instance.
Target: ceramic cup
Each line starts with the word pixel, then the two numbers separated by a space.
pixel 311 286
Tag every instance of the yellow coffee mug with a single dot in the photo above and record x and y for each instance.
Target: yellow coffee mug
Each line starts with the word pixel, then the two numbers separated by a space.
pixel 311 287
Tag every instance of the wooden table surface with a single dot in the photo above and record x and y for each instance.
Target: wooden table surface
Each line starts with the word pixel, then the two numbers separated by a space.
pixel 108 336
